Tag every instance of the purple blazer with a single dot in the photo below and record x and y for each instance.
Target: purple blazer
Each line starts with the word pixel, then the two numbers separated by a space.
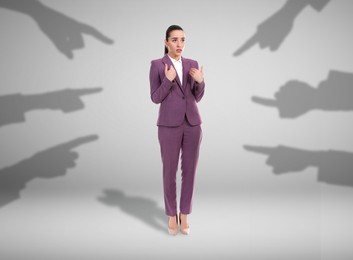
pixel 176 100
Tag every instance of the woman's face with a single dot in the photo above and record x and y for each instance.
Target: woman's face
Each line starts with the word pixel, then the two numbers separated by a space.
pixel 175 43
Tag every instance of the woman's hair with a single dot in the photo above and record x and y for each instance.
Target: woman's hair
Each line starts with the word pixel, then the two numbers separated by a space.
pixel 167 34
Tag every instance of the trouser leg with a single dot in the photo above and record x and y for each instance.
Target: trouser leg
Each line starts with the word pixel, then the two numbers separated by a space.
pixel 190 153
pixel 170 139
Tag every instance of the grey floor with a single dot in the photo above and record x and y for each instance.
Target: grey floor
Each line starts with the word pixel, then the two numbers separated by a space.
pixel 115 223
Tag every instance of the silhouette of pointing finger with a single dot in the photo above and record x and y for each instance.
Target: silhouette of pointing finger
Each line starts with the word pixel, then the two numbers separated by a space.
pixel 265 101
pixel 247 45
pixel 260 149
pixel 86 91
pixel 76 142
pixel 95 33
pixel 67 100
pixel 64 32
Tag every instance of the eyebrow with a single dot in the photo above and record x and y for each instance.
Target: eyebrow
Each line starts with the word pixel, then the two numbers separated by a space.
pixel 175 38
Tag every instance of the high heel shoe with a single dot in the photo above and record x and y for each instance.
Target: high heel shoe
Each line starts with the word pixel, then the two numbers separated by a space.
pixel 184 231
pixel 173 231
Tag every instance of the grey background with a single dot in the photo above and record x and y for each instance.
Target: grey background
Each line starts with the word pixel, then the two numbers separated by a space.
pixel 80 170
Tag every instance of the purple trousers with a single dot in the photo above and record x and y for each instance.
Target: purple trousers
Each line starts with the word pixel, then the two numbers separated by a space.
pixel 173 140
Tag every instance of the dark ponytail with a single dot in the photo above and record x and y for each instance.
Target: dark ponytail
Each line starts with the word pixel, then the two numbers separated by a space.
pixel 167 34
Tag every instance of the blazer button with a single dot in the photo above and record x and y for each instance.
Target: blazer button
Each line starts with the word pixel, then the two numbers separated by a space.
pixel 183 97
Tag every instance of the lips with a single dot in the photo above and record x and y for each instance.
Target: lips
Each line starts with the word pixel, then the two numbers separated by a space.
pixel 179 50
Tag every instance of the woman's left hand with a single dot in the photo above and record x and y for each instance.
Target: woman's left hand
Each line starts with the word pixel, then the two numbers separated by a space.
pixel 196 74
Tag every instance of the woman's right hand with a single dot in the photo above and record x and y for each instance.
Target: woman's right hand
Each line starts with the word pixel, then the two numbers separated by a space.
pixel 170 73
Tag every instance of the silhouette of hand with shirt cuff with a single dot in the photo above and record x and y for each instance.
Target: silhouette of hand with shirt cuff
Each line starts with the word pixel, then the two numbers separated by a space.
pixel 64 32
pixel 272 32
pixel 54 161
pixel 13 107
pixel 67 34
pixel 283 159
pixel 334 167
pixel 50 163
pixel 294 99
pixel 67 100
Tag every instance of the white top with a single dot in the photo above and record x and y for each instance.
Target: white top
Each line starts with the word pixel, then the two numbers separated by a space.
pixel 178 65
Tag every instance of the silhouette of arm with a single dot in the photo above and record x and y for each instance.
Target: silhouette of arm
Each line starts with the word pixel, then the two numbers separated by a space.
pixel 23 6
pixel 12 109
pixel 336 92
pixel 64 32
pixel 335 167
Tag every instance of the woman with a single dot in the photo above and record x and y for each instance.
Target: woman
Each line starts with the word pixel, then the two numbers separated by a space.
pixel 177 85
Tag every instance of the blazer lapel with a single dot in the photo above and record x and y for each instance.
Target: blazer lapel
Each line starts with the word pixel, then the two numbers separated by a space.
pixel 166 60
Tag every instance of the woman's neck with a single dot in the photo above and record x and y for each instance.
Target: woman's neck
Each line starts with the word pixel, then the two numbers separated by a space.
pixel 176 57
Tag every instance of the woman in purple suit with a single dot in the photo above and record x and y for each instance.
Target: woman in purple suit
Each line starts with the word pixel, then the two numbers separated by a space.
pixel 177 84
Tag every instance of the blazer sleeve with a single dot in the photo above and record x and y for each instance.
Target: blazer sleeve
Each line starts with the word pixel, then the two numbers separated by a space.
pixel 198 88
pixel 160 88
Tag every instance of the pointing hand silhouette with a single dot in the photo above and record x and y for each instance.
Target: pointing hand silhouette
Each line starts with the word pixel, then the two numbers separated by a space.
pixel 49 163
pixel 54 161
pixel 67 100
pixel 283 159
pixel 295 98
pixel 14 107
pixel 334 167
pixel 64 32
pixel 272 32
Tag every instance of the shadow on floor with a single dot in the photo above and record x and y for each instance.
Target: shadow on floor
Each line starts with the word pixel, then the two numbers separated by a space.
pixel 144 209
